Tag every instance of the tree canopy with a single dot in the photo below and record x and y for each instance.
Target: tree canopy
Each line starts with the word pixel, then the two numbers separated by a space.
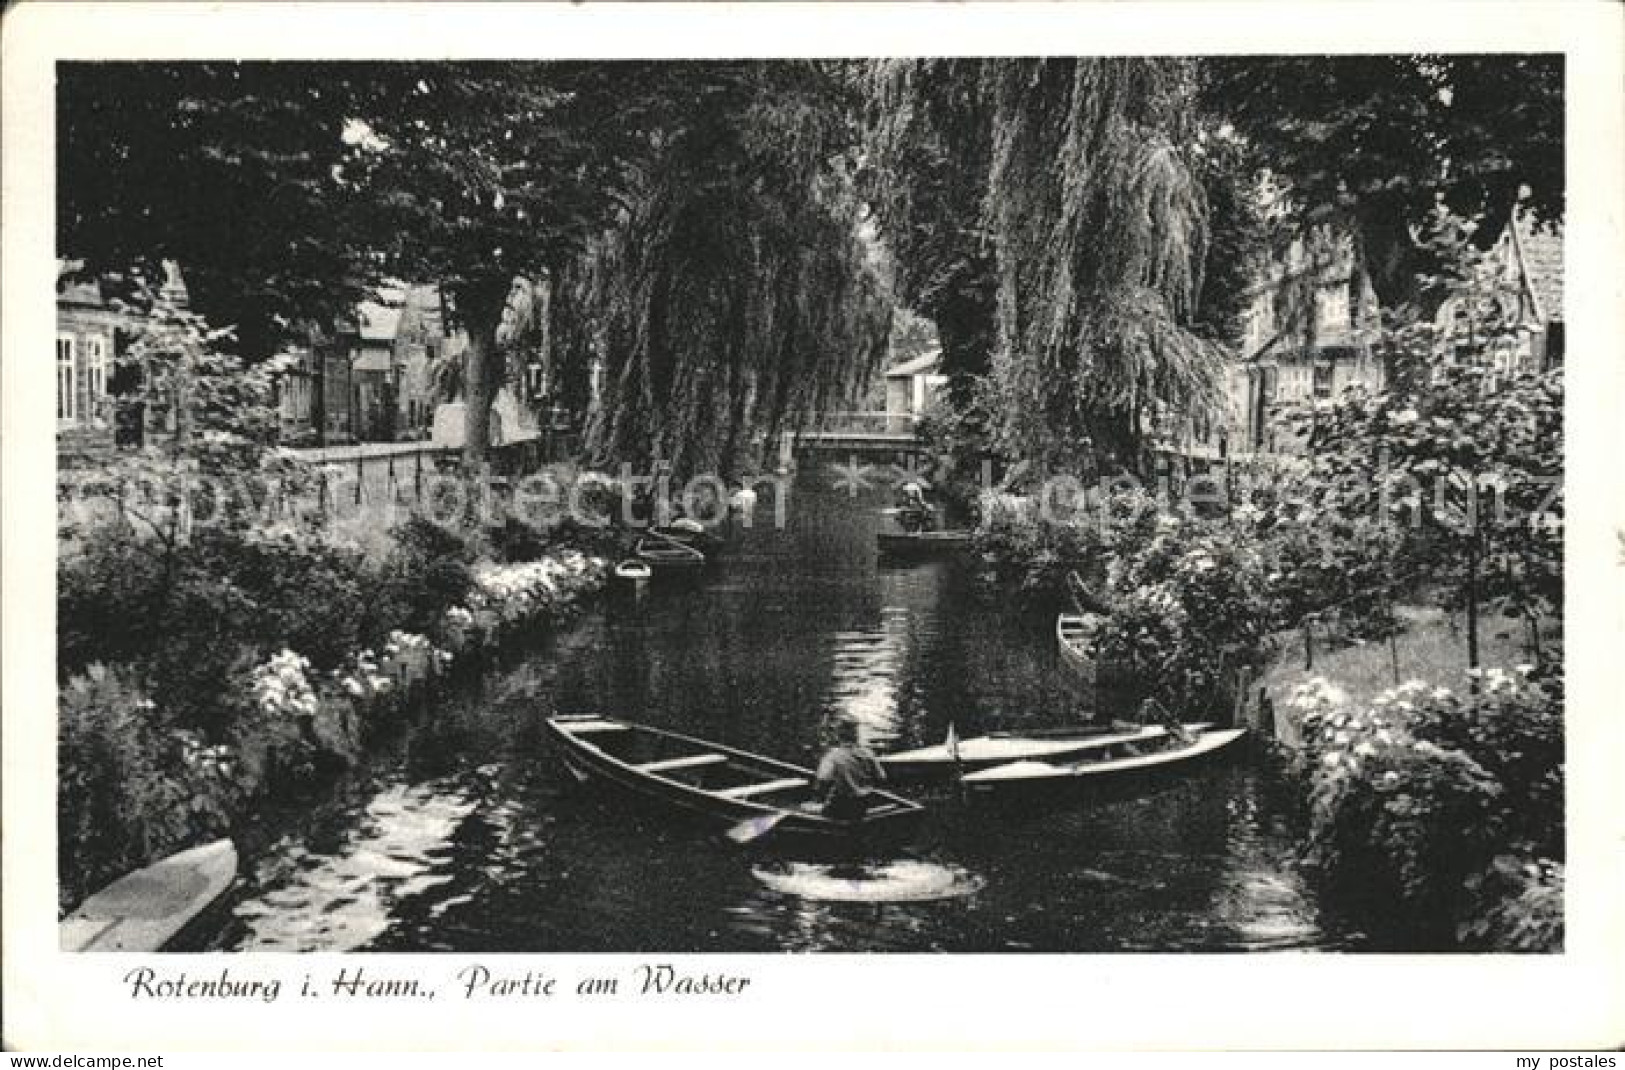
pixel 1067 189
pixel 1378 141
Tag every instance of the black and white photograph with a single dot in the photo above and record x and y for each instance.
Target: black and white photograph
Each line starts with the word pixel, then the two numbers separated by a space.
pixel 709 507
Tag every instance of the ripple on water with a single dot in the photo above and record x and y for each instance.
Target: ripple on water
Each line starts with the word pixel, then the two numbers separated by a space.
pixel 344 899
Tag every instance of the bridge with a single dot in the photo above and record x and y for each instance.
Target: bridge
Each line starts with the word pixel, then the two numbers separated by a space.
pixel 870 435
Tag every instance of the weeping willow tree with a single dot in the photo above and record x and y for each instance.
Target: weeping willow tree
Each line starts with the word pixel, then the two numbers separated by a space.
pixel 1097 228
pixel 736 296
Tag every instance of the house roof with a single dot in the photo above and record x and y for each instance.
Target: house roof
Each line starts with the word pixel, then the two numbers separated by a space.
pixel 1539 252
pixel 372 360
pixel 925 364
pixel 379 322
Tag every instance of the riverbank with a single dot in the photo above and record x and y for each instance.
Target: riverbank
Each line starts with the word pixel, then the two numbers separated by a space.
pixel 1431 792
pixel 207 674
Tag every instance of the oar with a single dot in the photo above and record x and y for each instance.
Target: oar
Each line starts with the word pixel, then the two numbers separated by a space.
pixel 754 828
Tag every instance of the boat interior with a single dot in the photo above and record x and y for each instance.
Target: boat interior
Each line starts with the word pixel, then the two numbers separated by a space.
pixel 692 764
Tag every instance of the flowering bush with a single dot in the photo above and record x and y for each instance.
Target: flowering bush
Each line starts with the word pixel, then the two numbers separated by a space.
pixel 1424 789
pixel 1188 610
pixel 282 686
pixel 519 593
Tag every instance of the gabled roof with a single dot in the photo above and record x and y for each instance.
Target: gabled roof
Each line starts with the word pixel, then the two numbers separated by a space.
pixel 1538 255
pixel 925 364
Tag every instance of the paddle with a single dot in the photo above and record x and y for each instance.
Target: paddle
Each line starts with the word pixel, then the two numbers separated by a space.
pixel 754 828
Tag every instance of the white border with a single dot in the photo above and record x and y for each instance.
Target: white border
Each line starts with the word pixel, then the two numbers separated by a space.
pixel 56 1001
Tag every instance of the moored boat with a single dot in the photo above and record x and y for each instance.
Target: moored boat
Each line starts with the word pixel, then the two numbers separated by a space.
pixel 1074 637
pixel 667 555
pixel 693 535
pixel 899 544
pixel 633 571
pixel 147 909
pixel 949 759
pixel 1106 771
pixel 724 786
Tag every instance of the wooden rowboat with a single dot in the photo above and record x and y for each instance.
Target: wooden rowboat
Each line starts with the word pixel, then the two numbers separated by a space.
pixel 981 752
pixel 667 555
pixel 724 786
pixel 1074 634
pixel 1104 772
pixel 147 909
pixel 694 537
pixel 922 543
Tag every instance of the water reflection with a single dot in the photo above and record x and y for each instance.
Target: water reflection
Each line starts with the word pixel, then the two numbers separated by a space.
pixel 469 837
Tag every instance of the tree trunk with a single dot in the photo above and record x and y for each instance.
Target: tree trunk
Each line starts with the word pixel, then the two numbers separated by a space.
pixel 479 305
pixel 1472 605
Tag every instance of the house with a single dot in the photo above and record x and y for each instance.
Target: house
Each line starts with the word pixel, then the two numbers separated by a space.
pixel 1525 265
pixel 90 332
pixel 421 342
pixel 1308 331
pixel 315 386
pixel 913 387
pixel 98 396
pixel 372 367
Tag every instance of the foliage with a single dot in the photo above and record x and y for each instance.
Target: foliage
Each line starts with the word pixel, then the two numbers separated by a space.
pixel 1031 555
pixel 1092 223
pixel 1424 791
pixel 1379 141
pixel 928 149
pixel 129 787
pixel 736 295
pixel 160 161
pixel 1188 609
pixel 1454 474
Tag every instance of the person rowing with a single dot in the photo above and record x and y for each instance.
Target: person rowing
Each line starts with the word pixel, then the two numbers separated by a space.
pixel 914 513
pixel 847 774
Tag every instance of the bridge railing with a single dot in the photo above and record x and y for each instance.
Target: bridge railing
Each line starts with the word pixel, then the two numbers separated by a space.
pixel 862 423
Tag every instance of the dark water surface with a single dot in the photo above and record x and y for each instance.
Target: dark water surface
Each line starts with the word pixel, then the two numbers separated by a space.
pixel 468 836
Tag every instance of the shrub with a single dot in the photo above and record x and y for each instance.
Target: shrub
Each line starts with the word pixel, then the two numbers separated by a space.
pixel 1423 790
pixel 131 788
pixel 1187 611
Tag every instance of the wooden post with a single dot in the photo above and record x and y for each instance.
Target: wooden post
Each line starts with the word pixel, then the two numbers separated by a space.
pixel 417 477
pixel 360 473
pixel 1239 713
pixel 1308 643
pixel 1393 654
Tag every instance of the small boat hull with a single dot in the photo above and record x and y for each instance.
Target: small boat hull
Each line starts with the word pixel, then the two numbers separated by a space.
pixel 721 786
pixel 706 542
pixel 668 555
pixel 1107 778
pixel 976 753
pixel 1073 633
pixel 634 572
pixel 149 908
pixel 900 545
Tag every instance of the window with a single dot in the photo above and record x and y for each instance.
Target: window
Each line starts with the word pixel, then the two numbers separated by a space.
pixel 95 370
pixel 1333 305
pixel 1323 379
pixel 66 375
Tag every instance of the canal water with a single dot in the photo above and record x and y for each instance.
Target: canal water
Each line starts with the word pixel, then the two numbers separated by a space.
pixel 467 835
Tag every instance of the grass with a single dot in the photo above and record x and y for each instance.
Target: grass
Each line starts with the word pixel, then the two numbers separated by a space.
pixel 1433 647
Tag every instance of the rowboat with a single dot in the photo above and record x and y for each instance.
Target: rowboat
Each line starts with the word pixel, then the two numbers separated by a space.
pixel 693 536
pixel 724 786
pixel 1074 635
pixel 147 909
pixel 982 752
pixel 1105 772
pixel 667 555
pixel 921 543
